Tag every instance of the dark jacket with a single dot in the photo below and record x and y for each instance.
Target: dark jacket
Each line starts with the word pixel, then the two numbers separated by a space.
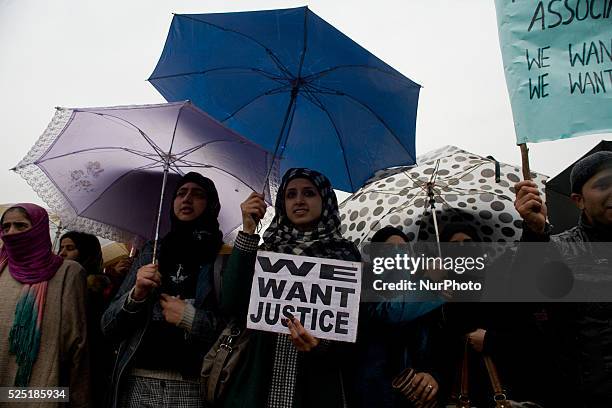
pixel 390 340
pixel 319 379
pixel 128 328
pixel 515 342
pixel 396 331
pixel 582 332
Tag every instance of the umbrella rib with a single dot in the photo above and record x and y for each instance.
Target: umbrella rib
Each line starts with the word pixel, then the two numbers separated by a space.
pixel 309 94
pixel 391 210
pixel 338 67
pixel 416 181
pixel 177 169
pixel 434 174
pixel 270 92
pixel 458 191
pixel 305 45
pixel 263 73
pixel 462 192
pixel 210 166
pixel 145 155
pixel 187 152
pixel 367 108
pixel 270 53
pixel 142 133
pixel 329 116
pixel 470 169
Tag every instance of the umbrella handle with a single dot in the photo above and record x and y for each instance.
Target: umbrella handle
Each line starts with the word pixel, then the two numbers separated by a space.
pixel 159 211
pixel 432 202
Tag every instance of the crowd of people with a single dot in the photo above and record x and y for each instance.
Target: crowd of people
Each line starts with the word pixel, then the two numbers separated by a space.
pixel 136 335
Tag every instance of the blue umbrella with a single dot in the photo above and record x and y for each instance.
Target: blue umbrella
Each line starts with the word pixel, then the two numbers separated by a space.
pixel 291 82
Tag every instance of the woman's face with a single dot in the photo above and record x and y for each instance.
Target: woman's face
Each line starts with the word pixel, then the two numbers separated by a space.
pixel 303 204
pixel 15 221
pixel 68 249
pixel 460 237
pixel 395 239
pixel 190 202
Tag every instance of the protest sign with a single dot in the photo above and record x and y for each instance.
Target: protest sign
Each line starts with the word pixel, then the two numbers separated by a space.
pixel 558 63
pixel 322 293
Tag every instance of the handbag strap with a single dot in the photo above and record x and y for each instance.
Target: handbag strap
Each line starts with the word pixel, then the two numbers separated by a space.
pixel 498 391
pixel 402 381
pixel 215 373
pixel 463 400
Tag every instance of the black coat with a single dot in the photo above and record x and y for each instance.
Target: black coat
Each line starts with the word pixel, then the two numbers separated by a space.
pixel 581 333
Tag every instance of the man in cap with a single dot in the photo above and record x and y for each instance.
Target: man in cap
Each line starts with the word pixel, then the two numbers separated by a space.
pixel 582 331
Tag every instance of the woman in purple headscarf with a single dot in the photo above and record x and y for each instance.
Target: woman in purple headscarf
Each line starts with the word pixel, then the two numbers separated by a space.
pixel 43 340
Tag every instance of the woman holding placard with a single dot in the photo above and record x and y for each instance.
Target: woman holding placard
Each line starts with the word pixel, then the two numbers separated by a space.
pixel 296 369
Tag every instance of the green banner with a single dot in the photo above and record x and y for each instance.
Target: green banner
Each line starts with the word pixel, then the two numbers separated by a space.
pixel 558 64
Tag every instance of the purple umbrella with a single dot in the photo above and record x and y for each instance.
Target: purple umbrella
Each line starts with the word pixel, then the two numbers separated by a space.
pixel 103 170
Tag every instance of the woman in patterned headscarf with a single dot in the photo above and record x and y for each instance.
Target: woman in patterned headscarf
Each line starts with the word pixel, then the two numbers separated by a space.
pixel 299 370
pixel 43 336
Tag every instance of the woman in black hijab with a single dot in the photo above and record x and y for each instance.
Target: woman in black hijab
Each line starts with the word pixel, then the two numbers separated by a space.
pixel 166 315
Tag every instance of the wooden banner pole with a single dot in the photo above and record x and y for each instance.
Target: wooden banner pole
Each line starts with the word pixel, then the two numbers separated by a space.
pixel 525 161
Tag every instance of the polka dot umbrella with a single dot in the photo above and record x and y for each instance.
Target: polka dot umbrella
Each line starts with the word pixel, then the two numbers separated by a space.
pixel 463 187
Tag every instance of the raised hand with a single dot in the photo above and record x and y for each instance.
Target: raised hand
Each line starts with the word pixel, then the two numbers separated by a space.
pixel 530 205
pixel 253 209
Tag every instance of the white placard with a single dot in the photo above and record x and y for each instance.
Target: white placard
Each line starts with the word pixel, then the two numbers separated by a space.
pixel 322 293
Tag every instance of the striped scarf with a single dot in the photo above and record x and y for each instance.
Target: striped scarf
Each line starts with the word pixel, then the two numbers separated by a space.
pixel 24 337
pixel 31 262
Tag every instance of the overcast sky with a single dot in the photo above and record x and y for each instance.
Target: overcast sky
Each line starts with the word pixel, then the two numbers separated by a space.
pixel 82 53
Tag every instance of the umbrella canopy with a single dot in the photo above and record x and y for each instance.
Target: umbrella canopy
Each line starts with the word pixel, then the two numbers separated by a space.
pixel 562 213
pixel 463 187
pixel 294 84
pixel 101 169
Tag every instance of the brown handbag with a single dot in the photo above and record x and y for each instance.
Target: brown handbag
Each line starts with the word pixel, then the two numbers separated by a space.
pixel 402 383
pixel 222 360
pixel 225 355
pixel 462 399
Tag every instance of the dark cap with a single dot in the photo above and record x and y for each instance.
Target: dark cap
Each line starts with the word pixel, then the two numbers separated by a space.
pixel 383 234
pixel 587 168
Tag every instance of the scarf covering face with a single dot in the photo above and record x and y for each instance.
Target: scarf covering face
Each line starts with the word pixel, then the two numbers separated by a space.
pixel 31 262
pixel 189 245
pixel 29 254
pixel 325 240
pixel 90 251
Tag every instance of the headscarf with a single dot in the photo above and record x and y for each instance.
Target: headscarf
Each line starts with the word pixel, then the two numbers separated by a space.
pixel 29 254
pixel 90 251
pixel 190 244
pixel 31 262
pixel 383 234
pixel 325 240
pixel 454 228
